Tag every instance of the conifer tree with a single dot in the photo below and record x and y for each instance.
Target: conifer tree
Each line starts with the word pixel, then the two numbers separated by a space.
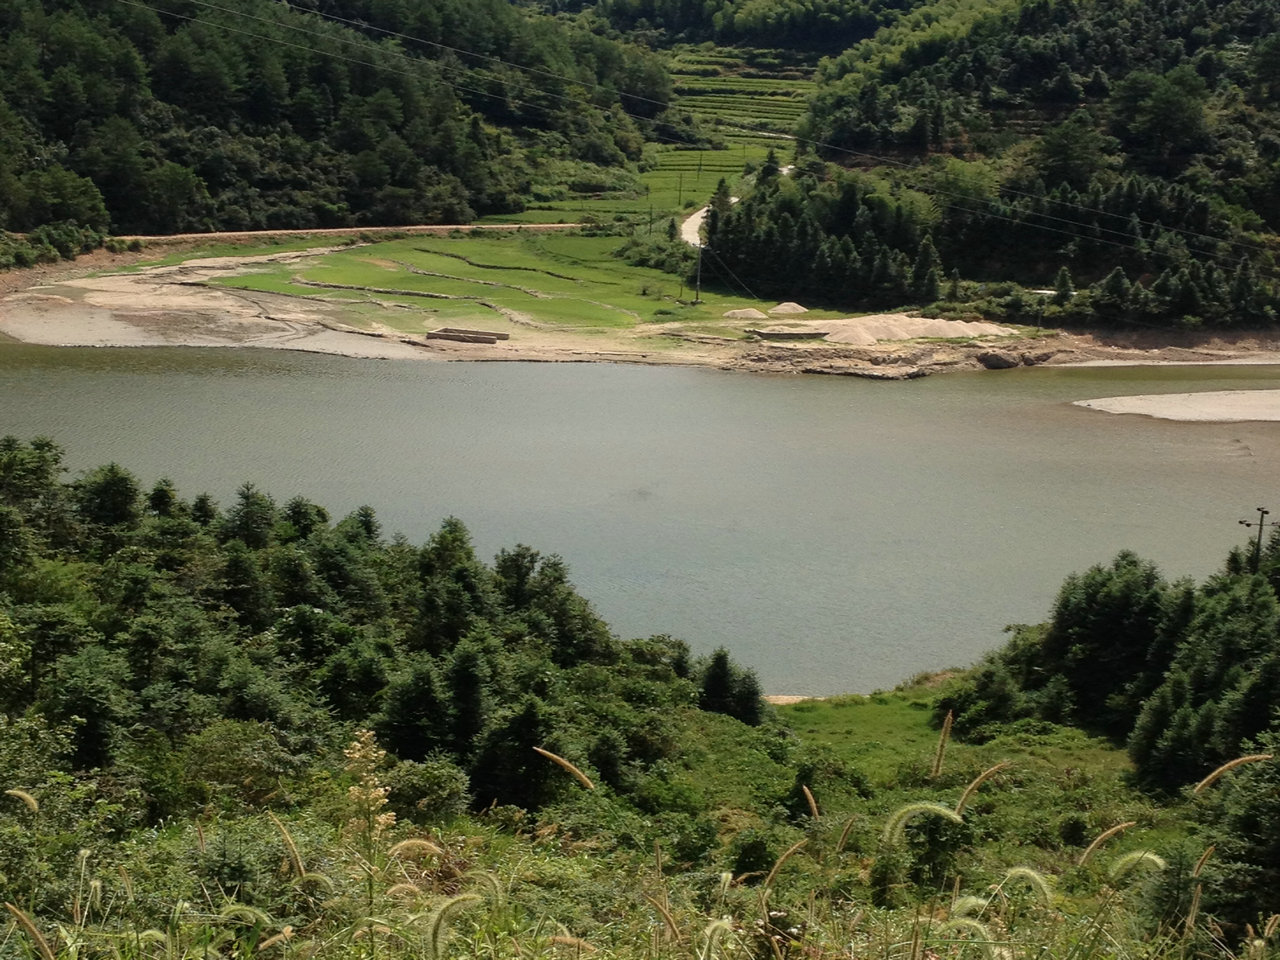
pixel 507 770
pixel 1063 288
pixel 412 721
pixel 466 678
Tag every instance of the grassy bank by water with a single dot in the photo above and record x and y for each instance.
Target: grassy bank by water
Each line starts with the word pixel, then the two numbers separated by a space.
pixel 511 283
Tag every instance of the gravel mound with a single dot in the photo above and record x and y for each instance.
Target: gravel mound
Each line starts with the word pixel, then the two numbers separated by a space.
pixel 787 309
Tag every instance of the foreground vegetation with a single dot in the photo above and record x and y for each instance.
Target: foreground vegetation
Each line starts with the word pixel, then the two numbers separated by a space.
pixel 252 729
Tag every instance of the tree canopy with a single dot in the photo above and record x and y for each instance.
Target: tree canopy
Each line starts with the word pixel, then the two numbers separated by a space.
pixel 185 116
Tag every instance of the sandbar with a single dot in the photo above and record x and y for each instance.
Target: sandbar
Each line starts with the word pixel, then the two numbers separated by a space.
pixel 1216 406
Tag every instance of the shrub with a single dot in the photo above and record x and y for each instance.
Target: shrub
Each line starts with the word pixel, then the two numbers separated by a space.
pixel 240 761
pixel 432 790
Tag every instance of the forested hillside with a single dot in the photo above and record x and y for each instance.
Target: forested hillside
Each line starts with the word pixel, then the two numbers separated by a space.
pixel 133 621
pixel 183 115
pixel 795 24
pixel 1058 143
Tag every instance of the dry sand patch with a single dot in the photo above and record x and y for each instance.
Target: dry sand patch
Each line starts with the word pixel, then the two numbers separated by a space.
pixel 1217 406
pixel 903 326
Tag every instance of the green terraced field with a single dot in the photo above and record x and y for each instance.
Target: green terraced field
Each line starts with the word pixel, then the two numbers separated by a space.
pixel 518 282
pixel 742 110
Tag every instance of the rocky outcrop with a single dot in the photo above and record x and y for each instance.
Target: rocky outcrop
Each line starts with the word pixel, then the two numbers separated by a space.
pixel 998 360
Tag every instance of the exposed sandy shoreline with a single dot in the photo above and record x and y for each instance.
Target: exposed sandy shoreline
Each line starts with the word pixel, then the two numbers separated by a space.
pixel 178 306
pixel 1222 406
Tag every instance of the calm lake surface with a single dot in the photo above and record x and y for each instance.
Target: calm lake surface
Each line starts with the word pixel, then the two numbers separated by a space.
pixel 836 534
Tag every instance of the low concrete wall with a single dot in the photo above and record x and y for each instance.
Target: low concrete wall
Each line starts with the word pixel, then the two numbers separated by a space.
pixel 462 336
pixel 475 333
pixel 789 334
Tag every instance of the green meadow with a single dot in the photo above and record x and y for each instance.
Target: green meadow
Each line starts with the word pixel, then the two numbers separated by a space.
pixel 1045 788
pixel 521 282
pixel 517 283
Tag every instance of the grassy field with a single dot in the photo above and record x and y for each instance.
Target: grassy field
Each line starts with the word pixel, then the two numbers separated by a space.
pixel 575 281
pixel 561 281
pixel 553 281
pixel 874 754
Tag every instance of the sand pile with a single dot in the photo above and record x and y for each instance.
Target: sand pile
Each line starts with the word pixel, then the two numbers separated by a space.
pixel 864 331
pixel 749 313
pixel 790 308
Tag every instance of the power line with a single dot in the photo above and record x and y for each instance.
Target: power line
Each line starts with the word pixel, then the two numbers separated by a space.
pixel 879 159
pixel 1125 242
pixel 459 50
pixel 382 52
pixel 373 50
pixel 815 143
pixel 703 248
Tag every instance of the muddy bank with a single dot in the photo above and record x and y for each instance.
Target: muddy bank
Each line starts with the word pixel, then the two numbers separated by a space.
pixel 183 304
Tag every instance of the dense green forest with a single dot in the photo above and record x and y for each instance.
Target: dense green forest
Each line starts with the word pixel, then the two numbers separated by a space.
pixel 188 115
pixel 134 620
pixel 823 25
pixel 227 730
pixel 850 238
pixel 1133 147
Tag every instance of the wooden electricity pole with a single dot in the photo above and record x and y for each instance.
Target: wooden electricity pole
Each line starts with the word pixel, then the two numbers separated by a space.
pixel 1261 523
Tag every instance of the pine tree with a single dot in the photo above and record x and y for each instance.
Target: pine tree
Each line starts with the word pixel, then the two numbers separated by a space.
pixel 716 694
pixel 466 679
pixel 204 510
pixel 927 260
pixel 412 721
pixel 1245 869
pixel 245 589
pixel 507 770
pixel 163 498
pixel 1063 288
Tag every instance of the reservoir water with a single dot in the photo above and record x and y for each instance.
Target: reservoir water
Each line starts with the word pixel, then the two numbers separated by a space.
pixel 836 534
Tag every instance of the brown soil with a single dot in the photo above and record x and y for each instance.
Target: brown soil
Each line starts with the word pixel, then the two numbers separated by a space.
pixel 67 304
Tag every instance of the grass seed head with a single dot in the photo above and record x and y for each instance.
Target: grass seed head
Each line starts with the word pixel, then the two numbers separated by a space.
pixel 28 801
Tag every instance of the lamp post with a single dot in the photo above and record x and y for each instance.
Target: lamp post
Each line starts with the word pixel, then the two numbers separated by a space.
pixel 1261 523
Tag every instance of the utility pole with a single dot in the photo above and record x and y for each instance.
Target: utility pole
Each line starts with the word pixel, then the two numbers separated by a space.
pixel 1261 523
pixel 697 295
pixel 680 190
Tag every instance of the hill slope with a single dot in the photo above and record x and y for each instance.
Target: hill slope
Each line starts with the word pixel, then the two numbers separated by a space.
pixel 240 114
